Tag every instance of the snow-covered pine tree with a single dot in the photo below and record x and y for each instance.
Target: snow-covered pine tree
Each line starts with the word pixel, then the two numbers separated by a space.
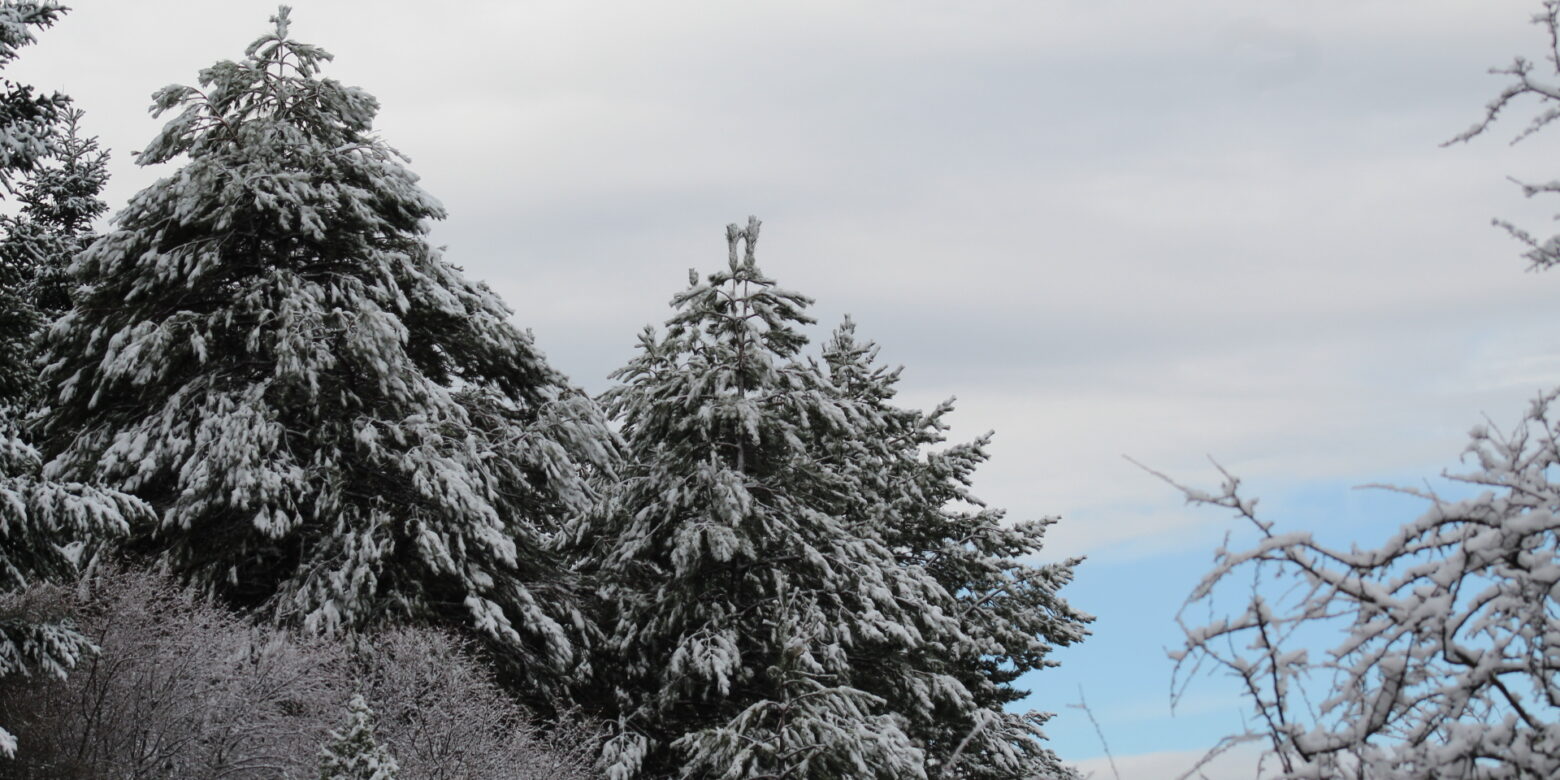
pixel 46 528
pixel 1005 608
pixel 354 753
pixel 43 523
pixel 335 427
pixel 27 118
pixel 59 202
pixel 736 597
pixel 27 122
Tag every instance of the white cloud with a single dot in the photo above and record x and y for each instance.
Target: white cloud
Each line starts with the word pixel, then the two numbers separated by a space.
pixel 1162 229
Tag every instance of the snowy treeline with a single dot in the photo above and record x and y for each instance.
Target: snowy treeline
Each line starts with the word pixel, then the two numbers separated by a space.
pixel 391 540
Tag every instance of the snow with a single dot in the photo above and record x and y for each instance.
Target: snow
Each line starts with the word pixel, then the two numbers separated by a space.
pixel 1444 658
pixel 753 539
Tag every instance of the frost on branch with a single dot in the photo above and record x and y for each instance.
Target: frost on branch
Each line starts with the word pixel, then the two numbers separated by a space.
pixel 183 688
pixel 1539 81
pixel 1447 666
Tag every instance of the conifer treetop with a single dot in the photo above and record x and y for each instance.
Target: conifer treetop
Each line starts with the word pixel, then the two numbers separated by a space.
pixel 741 304
pixel 59 201
pixel 277 80
pixel 64 196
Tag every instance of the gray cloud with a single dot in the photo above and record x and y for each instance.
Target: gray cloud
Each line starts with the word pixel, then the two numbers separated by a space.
pixel 1158 228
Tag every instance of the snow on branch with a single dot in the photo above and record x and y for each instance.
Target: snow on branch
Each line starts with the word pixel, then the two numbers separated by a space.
pixel 1529 79
pixel 1445 664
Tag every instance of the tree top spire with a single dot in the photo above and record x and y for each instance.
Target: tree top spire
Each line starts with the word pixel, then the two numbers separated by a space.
pixel 747 237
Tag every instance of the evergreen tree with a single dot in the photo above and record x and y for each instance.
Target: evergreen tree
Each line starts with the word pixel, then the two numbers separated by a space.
pixel 737 596
pixel 1007 611
pixel 334 426
pixel 27 137
pixel 814 727
pixel 353 753
pixel 27 118
pixel 46 526
pixel 59 202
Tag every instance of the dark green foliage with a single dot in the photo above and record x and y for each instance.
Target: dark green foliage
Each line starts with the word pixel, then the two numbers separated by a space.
pixel 335 427
pixel 793 590
pixel 27 137
pixel 59 203
pixel 1008 614
pixel 736 596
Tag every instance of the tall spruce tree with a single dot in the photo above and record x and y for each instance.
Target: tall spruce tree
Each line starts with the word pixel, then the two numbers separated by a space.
pixel 1007 613
pixel 46 526
pixel 737 594
pixel 334 426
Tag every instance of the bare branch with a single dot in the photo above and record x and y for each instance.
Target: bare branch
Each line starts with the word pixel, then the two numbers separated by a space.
pixel 1445 662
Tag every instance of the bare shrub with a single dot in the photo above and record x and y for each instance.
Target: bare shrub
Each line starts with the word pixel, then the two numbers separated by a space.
pixel 181 688
pixel 445 720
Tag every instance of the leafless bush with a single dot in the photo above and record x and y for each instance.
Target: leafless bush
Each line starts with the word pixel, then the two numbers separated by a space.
pixel 444 720
pixel 179 689
pixel 182 688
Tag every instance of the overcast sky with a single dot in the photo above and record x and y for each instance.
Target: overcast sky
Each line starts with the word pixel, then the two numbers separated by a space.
pixel 1167 229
